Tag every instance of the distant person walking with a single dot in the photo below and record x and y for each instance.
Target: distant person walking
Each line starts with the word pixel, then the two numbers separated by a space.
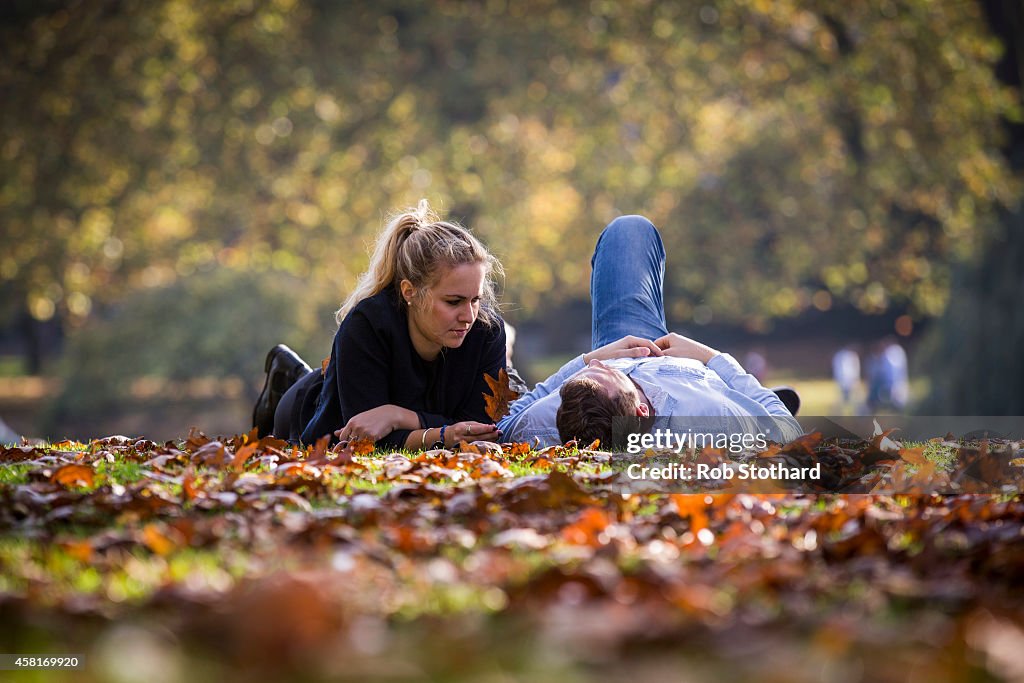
pixel 846 372
pixel 888 382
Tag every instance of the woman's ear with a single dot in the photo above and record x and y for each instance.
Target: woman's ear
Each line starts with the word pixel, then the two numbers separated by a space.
pixel 408 291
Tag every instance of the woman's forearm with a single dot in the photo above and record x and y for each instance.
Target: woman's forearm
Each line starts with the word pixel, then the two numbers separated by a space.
pixel 420 439
pixel 403 418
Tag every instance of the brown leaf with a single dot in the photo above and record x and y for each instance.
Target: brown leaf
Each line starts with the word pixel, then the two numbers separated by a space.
pixel 804 444
pixel 211 454
pixel 320 448
pixel 243 454
pixel 496 403
pixel 20 453
pixel 73 475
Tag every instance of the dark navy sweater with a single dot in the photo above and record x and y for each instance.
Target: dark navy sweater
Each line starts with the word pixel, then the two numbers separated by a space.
pixel 373 363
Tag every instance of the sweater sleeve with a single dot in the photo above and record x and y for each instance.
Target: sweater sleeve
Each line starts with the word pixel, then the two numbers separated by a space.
pixel 362 353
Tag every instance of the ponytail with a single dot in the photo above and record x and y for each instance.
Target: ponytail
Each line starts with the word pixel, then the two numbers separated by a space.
pixel 414 245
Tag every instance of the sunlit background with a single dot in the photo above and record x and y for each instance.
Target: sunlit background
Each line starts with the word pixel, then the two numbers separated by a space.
pixel 184 184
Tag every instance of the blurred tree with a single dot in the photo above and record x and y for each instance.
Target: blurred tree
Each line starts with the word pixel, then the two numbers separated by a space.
pixel 974 354
pixel 215 324
pixel 837 152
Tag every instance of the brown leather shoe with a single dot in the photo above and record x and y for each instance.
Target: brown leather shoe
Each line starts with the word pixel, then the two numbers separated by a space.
pixel 284 368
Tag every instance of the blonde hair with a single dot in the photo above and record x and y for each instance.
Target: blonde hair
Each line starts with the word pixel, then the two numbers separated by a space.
pixel 415 245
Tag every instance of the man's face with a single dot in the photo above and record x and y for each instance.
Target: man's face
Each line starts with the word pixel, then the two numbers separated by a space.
pixel 612 381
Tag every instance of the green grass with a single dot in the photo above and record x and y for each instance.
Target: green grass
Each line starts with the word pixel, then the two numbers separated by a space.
pixel 14 474
pixel 820 395
pixel 123 472
pixel 129 576
pixel 12 366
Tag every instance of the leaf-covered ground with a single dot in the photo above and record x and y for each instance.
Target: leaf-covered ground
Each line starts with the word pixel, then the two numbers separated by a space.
pixel 247 560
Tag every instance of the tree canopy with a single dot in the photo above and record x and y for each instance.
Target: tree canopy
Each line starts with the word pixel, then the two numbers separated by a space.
pixel 841 153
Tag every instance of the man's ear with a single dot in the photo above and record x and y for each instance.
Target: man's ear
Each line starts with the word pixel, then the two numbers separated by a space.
pixel 641 410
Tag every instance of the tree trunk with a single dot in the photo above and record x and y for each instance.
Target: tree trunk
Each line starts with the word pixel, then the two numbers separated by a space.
pixel 974 355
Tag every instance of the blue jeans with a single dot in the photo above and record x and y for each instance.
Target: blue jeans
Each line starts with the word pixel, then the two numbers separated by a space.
pixel 627 283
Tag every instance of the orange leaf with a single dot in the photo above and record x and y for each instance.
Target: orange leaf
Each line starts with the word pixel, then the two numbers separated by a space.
pixel 496 403
pixel 156 540
pixel 519 449
pixel 73 475
pixel 587 529
pixel 362 446
pixel 692 505
pixel 238 463
pixel 188 485
pixel 80 550
pixel 915 456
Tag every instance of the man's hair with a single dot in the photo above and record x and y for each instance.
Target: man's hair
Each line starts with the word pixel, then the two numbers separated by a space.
pixel 587 410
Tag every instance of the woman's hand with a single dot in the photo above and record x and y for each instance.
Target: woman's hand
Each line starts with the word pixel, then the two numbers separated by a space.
pixel 627 347
pixel 470 431
pixel 677 345
pixel 372 424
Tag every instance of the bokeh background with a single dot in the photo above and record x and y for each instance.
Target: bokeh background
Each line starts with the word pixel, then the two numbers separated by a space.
pixel 184 184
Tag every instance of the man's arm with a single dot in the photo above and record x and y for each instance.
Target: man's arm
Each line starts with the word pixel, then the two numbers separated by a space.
pixel 733 374
pixel 677 345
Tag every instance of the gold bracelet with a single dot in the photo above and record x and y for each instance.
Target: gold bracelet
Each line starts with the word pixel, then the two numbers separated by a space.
pixel 423 438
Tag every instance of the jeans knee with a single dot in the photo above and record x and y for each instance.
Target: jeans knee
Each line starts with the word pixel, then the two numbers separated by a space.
pixel 631 230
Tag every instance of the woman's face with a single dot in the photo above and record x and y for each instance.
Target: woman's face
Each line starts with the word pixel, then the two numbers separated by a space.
pixel 447 310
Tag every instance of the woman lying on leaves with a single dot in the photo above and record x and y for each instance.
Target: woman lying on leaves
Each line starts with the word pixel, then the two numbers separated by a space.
pixel 413 343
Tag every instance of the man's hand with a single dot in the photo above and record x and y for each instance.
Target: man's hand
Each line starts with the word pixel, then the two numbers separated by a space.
pixel 677 345
pixel 627 347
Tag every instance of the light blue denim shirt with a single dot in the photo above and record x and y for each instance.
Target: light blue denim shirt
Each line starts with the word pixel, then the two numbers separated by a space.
pixel 676 387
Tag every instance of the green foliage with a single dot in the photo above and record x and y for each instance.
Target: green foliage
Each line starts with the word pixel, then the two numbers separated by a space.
pixel 216 325
pixel 841 152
